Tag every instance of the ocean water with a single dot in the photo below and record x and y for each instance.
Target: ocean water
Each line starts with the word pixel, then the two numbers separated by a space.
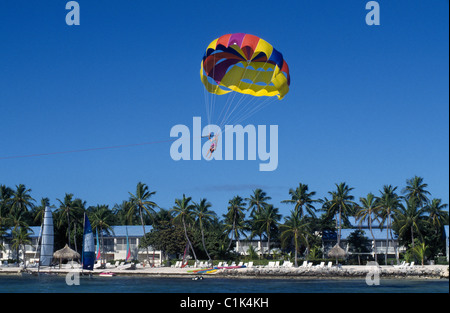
pixel 132 284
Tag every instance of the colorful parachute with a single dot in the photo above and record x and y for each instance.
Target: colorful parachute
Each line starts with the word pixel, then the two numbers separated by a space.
pixel 245 64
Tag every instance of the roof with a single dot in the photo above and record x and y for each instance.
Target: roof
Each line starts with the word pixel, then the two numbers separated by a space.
pixel 117 231
pixel 34 231
pixel 377 233
pixel 133 231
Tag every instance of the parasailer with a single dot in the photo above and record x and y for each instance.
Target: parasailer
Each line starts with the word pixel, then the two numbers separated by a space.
pixel 213 146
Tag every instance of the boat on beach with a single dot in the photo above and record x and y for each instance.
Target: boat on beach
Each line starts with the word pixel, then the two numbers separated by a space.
pixel 229 267
pixel 107 274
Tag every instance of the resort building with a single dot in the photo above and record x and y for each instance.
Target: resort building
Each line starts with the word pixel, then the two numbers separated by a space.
pixel 382 245
pixel 242 247
pixel 114 245
pixel 31 252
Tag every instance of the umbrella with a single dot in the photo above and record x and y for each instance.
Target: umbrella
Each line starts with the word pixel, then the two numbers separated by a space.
pixel 66 253
pixel 336 252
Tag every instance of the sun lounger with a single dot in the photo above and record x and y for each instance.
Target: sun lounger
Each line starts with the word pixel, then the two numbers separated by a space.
pixel 305 264
pixel 329 265
pixel 250 264
pixel 400 265
pixel 309 265
pixel 321 265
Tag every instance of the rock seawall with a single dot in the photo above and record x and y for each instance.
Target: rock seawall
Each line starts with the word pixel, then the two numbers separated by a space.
pixel 345 271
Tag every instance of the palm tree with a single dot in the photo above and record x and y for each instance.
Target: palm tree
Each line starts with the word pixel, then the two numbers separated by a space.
pixel 301 198
pixel 256 227
pixel 21 199
pixel 203 215
pixel 142 203
pixel 415 188
pixel 40 210
pixel 257 200
pixel 5 200
pixel 409 218
pixel 368 212
pixel 421 251
pixel 234 219
pixel 295 228
pixel 101 217
pixel 183 210
pixel 389 202
pixel 66 210
pixel 341 203
pixel 437 213
pixel 121 213
pixel 21 237
pixel 269 218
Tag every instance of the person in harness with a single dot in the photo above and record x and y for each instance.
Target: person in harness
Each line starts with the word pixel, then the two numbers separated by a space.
pixel 213 146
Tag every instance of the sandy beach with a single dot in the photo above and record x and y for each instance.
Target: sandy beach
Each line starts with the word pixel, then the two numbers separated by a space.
pixel 346 271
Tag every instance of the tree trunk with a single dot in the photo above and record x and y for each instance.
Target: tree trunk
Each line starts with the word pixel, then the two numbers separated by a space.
pixel 203 241
pixel 296 248
pixel 68 229
pixel 374 241
pixel 387 241
pixel 189 242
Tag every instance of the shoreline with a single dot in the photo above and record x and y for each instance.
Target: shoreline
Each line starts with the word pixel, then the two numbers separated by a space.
pixel 344 272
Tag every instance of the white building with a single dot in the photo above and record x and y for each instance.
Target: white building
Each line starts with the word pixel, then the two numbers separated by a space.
pixel 115 245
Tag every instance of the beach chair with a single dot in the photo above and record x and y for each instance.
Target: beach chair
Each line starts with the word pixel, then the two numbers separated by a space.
pixel 287 264
pixel 277 264
pixel 305 264
pixel 220 264
pixel 411 265
pixel 250 264
pixel 329 265
pixel 309 265
pixel 400 265
pixel 321 265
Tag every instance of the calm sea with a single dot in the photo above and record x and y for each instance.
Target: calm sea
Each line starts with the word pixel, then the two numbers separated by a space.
pixel 132 284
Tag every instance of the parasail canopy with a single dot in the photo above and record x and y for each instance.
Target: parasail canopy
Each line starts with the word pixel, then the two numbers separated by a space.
pixel 245 64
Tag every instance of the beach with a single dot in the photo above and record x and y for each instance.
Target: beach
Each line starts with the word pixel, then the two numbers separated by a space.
pixel 345 271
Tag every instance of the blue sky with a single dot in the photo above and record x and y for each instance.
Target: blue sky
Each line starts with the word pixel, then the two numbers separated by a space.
pixel 368 105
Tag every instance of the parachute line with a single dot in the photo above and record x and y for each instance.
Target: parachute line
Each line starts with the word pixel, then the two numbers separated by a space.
pixel 85 150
